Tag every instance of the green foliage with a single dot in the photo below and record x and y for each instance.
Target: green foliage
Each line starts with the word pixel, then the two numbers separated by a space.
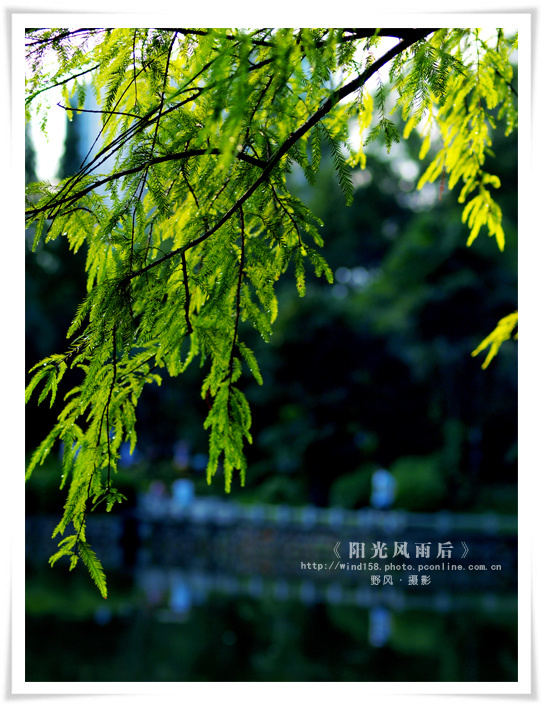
pixel 420 482
pixel 502 332
pixel 471 103
pixel 186 217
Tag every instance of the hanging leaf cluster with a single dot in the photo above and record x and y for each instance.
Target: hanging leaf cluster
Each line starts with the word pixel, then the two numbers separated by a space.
pixel 183 207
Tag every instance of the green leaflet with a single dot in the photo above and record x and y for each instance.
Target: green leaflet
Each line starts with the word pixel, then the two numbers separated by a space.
pixel 66 549
pixel 43 450
pixel 110 497
pixel 465 119
pixel 341 166
pixel 229 420
pixel 299 271
pixel 92 563
pixel 251 362
pixel 501 333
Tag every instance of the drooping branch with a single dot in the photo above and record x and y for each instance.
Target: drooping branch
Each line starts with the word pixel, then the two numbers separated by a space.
pixel 141 124
pixel 324 109
pixel 267 166
pixel 241 270
pixel 290 217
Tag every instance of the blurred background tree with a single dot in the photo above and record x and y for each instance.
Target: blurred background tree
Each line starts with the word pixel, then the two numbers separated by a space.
pixel 376 370
pixel 373 371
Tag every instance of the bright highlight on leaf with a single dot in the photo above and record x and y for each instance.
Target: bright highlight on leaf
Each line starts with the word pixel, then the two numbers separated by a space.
pixel 501 333
pixel 185 214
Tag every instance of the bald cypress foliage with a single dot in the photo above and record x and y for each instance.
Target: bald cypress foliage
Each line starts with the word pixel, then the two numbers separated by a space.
pixel 185 213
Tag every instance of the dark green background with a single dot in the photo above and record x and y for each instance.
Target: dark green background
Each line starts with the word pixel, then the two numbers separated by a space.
pixel 373 371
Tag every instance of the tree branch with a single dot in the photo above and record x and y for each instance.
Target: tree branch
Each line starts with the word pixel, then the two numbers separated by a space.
pixel 88 110
pixel 154 138
pixel 331 101
pixel 189 328
pixel 68 200
pixel 237 305
pixel 59 83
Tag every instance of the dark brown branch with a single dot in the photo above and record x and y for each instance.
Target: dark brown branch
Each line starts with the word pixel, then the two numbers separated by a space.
pixel 89 110
pixel 84 170
pixel 105 413
pixel 40 45
pixel 364 33
pixel 68 200
pixel 69 33
pixel 134 71
pixel 192 192
pixel 355 33
pixel 203 33
pixel 85 515
pixel 134 369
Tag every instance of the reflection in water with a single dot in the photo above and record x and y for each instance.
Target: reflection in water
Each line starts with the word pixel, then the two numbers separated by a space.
pixel 181 596
pixel 219 593
pixel 249 638
pixel 380 626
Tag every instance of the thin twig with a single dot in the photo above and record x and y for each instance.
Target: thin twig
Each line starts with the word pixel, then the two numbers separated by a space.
pixel 59 83
pixel 89 110
pixel 288 214
pixel 144 178
pixel 189 328
pixel 134 68
pixel 239 284
pixel 107 410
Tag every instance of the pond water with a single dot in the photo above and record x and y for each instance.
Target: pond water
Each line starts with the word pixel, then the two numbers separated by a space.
pixel 216 599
